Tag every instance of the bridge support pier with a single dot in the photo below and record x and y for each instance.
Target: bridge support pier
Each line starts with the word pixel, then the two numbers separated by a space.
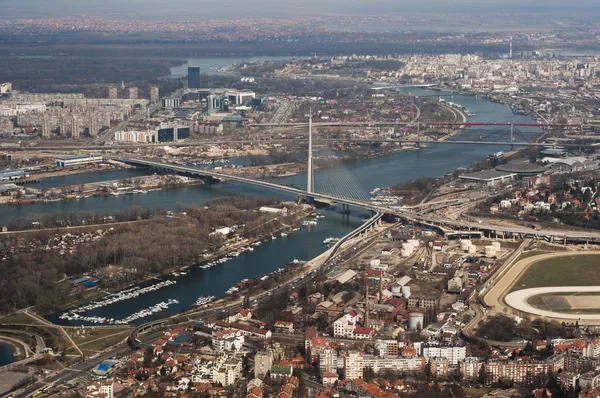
pixel 208 182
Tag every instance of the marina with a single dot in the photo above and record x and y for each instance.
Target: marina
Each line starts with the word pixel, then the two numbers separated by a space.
pixel 128 294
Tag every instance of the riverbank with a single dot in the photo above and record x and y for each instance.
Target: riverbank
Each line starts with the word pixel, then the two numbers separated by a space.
pixel 128 186
pixel 14 350
pixel 73 171
pixel 229 249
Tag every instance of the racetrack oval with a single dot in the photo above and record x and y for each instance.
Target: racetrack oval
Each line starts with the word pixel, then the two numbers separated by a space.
pixel 519 301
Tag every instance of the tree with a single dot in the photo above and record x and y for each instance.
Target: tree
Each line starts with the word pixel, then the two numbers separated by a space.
pixel 148 356
pixel 368 374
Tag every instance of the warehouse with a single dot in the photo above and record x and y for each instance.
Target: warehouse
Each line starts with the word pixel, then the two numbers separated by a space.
pixel 77 160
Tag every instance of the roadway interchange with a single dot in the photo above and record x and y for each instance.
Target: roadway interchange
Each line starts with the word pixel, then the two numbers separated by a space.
pixel 406 213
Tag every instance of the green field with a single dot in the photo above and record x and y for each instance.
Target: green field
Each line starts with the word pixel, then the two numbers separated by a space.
pixel 562 271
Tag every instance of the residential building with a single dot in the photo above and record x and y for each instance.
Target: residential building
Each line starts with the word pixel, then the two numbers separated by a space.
pixel 590 379
pixel 470 368
pixel 112 92
pixel 353 365
pixel 132 93
pixel 154 94
pixel 227 340
pixel 439 367
pixel 522 371
pixel 393 364
pixel 328 360
pixel 454 353
pixel 263 360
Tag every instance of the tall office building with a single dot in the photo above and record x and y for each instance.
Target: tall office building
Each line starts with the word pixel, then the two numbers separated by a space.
pixel 112 92
pixel 193 77
pixel 132 92
pixel 154 94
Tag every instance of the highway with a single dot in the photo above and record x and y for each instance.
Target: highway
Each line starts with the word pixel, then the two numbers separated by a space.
pixel 358 141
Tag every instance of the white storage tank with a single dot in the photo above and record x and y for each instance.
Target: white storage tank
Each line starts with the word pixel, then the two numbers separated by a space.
pixel 472 249
pixel 406 252
pixel 406 291
pixel 414 242
pixel 490 251
pixel 497 246
pixel 415 321
pixel 464 244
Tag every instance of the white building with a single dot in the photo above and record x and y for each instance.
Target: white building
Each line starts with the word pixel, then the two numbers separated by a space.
pixel 263 360
pixel 353 365
pixel 239 97
pixel 227 340
pixel 135 136
pixel 5 88
pixel 393 364
pixel 77 160
pixel 345 325
pixel 328 360
pixel 453 353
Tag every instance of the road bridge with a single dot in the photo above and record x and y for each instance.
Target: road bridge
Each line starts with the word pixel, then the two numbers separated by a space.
pixel 404 212
pixel 401 86
pixel 358 141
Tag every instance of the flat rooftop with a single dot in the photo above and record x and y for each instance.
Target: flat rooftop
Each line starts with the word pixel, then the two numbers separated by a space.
pixel 486 175
pixel 78 156
pixel 521 168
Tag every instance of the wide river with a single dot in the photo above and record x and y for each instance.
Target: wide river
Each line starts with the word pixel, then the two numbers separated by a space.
pixel 356 178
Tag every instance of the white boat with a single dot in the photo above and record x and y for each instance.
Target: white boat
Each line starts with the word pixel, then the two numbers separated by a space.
pixel 284 235
pixel 204 300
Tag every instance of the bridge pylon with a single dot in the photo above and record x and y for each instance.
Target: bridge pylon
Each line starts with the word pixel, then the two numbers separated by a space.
pixel 310 185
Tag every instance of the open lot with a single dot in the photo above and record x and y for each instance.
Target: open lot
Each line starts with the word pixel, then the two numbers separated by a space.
pixel 557 303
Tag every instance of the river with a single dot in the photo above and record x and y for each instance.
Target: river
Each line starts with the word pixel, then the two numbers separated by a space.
pixel 7 353
pixel 210 65
pixel 355 178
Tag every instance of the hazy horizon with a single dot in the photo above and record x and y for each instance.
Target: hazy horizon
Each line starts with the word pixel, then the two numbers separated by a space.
pixel 202 9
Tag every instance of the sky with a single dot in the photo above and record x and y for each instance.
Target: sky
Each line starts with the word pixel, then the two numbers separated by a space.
pixel 203 9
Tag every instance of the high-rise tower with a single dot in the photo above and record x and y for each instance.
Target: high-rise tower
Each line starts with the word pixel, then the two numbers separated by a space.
pixel 193 77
